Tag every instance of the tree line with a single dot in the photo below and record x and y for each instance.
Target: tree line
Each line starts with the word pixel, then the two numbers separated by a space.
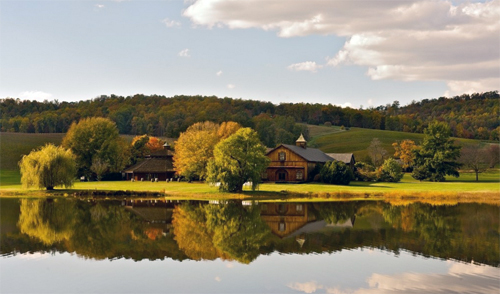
pixel 469 116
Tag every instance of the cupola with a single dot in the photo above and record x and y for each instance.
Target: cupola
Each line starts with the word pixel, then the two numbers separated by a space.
pixel 301 142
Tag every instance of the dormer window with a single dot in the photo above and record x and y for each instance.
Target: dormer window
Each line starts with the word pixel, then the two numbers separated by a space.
pixel 282 156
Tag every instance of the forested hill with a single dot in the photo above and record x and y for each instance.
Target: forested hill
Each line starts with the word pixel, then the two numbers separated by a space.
pixel 469 116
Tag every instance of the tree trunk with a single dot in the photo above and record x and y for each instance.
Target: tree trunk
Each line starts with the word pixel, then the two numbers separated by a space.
pixel 477 176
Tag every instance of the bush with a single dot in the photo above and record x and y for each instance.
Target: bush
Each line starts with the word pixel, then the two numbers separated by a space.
pixel 365 172
pixel 336 172
pixel 390 171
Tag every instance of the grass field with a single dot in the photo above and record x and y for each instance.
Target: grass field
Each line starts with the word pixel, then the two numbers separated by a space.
pixel 357 140
pixel 489 186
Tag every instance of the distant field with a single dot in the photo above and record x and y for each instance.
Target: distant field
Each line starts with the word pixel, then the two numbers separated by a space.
pixel 14 145
pixel 315 131
pixel 357 141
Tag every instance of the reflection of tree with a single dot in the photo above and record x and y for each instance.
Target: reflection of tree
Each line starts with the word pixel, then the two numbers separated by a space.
pixel 336 212
pixel 239 231
pixel 192 234
pixel 48 221
pixel 436 225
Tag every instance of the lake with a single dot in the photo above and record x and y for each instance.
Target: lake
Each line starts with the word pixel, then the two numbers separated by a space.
pixel 151 246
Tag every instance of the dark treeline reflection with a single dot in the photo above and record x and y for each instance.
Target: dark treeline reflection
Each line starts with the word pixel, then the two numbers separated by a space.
pixel 241 231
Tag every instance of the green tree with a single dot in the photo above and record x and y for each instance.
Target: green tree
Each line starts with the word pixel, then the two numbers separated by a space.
pixel 96 137
pixel 437 155
pixel 48 167
pixel 238 159
pixel 390 171
pixel 336 172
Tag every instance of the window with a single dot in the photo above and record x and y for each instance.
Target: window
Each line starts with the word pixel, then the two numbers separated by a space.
pixel 282 156
pixel 300 175
pixel 282 227
pixel 299 207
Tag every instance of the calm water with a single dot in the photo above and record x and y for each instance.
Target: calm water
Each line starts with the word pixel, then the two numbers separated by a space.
pixel 71 246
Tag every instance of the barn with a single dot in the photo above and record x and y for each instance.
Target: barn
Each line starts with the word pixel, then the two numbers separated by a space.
pixel 294 163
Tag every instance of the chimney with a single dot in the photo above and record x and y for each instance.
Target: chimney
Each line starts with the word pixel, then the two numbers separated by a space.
pixel 301 142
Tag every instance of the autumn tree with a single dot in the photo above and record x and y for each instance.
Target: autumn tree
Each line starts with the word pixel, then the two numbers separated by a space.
pixel 48 167
pixel 437 156
pixel 96 137
pixel 238 159
pixel 377 152
pixel 476 158
pixel 144 145
pixel 405 152
pixel 195 147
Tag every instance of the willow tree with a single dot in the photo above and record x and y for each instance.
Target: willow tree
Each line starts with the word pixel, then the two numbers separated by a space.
pixel 238 159
pixel 48 167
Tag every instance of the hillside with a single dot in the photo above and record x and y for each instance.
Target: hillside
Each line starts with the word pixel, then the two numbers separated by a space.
pixel 357 140
pixel 473 116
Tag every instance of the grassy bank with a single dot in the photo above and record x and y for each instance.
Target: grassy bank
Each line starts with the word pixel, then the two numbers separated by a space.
pixel 464 187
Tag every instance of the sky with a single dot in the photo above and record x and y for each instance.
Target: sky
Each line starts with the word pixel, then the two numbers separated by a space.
pixel 350 53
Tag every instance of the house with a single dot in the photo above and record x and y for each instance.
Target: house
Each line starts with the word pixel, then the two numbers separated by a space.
pixel 157 165
pixel 285 218
pixel 294 163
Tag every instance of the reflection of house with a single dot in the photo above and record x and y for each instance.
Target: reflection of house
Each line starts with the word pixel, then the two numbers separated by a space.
pixel 294 163
pixel 158 215
pixel 157 165
pixel 285 218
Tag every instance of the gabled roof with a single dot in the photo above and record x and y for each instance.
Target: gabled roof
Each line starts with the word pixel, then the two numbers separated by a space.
pixel 151 165
pixel 309 154
pixel 162 153
pixel 342 157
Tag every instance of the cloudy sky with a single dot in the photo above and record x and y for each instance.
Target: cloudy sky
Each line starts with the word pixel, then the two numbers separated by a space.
pixel 357 53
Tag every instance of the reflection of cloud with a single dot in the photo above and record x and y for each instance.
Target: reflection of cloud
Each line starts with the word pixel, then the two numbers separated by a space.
pixel 218 279
pixel 230 265
pixel 307 287
pixel 31 256
pixel 461 278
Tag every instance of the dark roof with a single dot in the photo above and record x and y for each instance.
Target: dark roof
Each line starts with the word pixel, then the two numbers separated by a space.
pixel 309 154
pixel 162 153
pixel 153 214
pixel 152 165
pixel 342 157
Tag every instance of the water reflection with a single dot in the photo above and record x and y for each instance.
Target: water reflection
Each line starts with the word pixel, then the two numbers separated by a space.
pixel 234 230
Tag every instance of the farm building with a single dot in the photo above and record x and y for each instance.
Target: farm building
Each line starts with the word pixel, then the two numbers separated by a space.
pixel 294 163
pixel 157 165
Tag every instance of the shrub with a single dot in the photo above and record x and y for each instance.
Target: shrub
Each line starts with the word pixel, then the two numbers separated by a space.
pixel 390 171
pixel 365 172
pixel 336 172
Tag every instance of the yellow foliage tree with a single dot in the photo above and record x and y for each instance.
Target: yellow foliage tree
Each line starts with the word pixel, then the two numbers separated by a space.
pixel 405 152
pixel 195 147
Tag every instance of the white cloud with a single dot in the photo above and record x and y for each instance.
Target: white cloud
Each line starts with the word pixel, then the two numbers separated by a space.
pixel 219 73
pixel 99 6
pixel 218 279
pixel 171 23
pixel 184 53
pixel 408 40
pixel 230 86
pixel 35 95
pixel 305 66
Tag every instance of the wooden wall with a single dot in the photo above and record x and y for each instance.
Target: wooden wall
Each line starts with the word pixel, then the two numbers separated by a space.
pixel 292 164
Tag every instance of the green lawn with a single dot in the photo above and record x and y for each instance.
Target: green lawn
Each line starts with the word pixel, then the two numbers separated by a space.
pixel 489 182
